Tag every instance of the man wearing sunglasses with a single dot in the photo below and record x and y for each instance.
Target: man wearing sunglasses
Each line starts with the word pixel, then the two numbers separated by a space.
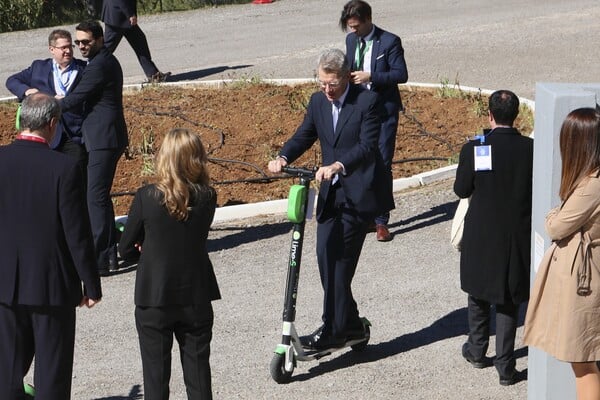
pixel 57 75
pixel 100 91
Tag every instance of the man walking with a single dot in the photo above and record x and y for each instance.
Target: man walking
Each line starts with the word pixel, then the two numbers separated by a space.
pixel 120 19
pixel 377 60
pixel 46 253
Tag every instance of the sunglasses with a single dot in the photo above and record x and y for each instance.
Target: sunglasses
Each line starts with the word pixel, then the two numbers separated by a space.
pixel 84 42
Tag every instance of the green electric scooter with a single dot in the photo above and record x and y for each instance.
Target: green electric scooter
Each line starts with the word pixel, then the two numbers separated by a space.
pixel 290 349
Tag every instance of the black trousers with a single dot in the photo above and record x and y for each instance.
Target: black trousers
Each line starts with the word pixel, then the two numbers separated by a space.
pixel 506 328
pixel 387 147
pixel 49 334
pixel 101 168
pixel 341 233
pixel 77 151
pixel 192 327
pixel 137 39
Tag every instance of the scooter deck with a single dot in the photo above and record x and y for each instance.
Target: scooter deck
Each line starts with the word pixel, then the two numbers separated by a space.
pixel 310 353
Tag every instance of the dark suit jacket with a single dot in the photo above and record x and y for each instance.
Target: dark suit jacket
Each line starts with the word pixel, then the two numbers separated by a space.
pixel 495 250
pixel 101 92
pixel 367 184
pixel 117 12
pixel 40 76
pixel 174 267
pixel 46 247
pixel 388 67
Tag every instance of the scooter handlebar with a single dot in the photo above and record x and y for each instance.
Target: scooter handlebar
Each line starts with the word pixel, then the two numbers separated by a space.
pixel 300 172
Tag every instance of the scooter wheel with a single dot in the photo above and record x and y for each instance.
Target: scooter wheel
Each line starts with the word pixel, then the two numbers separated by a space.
pixel 362 346
pixel 278 371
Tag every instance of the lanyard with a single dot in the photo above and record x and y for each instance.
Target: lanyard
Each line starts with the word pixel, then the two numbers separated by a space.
pixel 31 138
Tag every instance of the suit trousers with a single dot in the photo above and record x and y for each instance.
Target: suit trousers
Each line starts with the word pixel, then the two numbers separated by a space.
pixel 192 327
pixel 387 148
pixel 137 39
pixel 49 334
pixel 506 329
pixel 77 151
pixel 341 232
pixel 101 168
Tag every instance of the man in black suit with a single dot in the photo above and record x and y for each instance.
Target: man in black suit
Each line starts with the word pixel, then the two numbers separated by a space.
pixel 355 187
pixel 495 171
pixel 46 252
pixel 104 134
pixel 56 76
pixel 120 19
pixel 377 60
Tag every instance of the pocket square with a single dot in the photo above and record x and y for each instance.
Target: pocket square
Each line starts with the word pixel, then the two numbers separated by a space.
pixel 380 56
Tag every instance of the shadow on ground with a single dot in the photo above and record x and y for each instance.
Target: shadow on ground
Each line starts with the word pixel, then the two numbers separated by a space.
pixel 449 326
pixel 202 73
pixel 243 235
pixel 435 215
pixel 134 394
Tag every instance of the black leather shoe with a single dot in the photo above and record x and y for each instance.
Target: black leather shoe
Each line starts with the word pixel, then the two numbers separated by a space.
pixel 477 363
pixel 103 271
pixel 355 334
pixel 329 342
pixel 510 379
pixel 309 341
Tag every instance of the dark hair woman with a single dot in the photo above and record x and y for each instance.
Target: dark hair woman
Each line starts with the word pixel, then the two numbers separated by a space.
pixel 563 317
pixel 175 281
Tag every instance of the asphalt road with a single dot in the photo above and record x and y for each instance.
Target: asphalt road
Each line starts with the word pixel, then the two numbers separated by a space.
pixel 409 287
pixel 510 44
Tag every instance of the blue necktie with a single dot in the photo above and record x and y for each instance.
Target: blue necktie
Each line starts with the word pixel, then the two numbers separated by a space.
pixel 335 113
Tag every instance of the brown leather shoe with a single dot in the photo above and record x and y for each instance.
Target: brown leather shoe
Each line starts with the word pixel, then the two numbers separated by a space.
pixel 383 234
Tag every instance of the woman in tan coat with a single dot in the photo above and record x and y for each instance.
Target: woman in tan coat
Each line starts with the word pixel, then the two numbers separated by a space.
pixel 563 317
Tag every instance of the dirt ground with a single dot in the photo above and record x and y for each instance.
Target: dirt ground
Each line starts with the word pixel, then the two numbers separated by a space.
pixel 243 125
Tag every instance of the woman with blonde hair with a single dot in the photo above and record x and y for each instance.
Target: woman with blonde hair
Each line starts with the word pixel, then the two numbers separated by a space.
pixel 563 317
pixel 175 281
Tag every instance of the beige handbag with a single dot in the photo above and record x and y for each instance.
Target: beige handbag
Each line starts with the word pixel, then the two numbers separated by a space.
pixel 456 232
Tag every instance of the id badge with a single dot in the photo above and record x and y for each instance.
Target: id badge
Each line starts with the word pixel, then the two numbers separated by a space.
pixel 483 158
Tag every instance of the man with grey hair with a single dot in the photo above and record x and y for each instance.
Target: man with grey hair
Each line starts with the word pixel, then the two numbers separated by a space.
pixel 46 254
pixel 354 189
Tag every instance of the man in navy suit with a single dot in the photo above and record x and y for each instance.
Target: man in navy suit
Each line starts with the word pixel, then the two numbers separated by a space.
pixel 100 91
pixel 355 187
pixel 120 19
pixel 56 76
pixel 377 60
pixel 46 253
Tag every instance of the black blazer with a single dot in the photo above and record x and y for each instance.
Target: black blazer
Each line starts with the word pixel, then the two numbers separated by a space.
pixel 174 267
pixel 40 76
pixel 495 249
pixel 367 183
pixel 101 92
pixel 117 12
pixel 46 247
pixel 388 67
